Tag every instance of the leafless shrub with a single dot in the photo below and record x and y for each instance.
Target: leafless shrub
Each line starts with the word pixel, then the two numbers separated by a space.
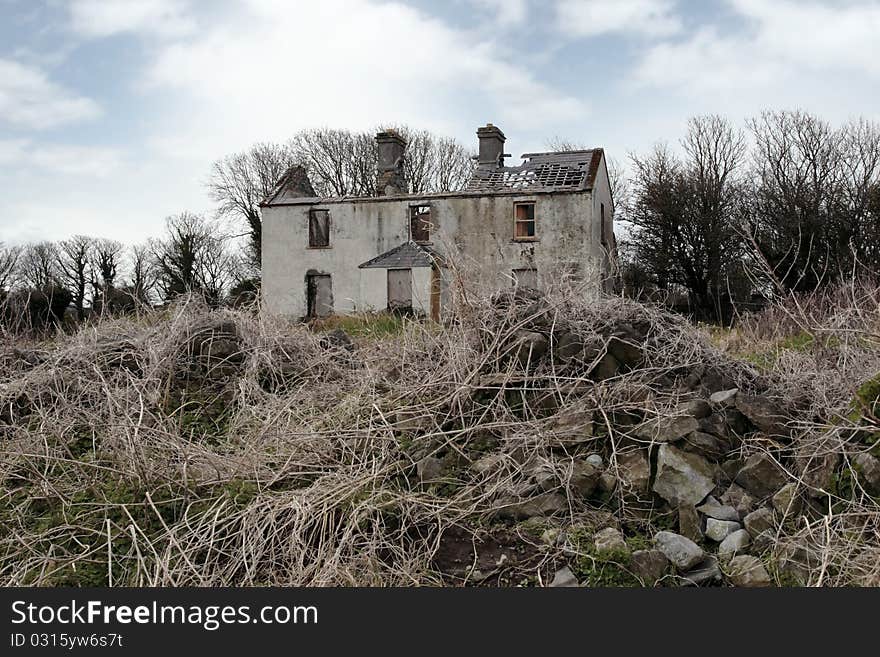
pixel 218 447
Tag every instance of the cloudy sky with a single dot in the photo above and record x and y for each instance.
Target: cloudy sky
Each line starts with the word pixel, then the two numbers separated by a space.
pixel 111 111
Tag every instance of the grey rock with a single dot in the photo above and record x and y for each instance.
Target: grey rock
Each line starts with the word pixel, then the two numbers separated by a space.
pixel 715 424
pixel 696 408
pixel 718 530
pixel 610 540
pixel 737 497
pixel 795 563
pixel 573 427
pixel 596 461
pixel 817 472
pixel 682 477
pixel 761 525
pixel 724 398
pixel 705 572
pixel 635 471
pixel 786 500
pixel 529 347
pixel 542 474
pixel 648 565
pixel 735 542
pixel 714 509
pixel 704 443
pixel 667 429
pixel 339 339
pixel 607 482
pixel 563 578
pixel 568 345
pixel 759 521
pixel 689 522
pixel 430 469
pixel 607 367
pixel 680 550
pixel 761 476
pixel 487 463
pixel 867 470
pixel 748 571
pixel 626 351
pixel 766 415
pixel 584 478
pixel 731 467
pixel 545 504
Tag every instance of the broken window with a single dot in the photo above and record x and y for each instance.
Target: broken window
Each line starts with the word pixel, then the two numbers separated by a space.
pixel 524 221
pixel 420 223
pixel 525 278
pixel 319 228
pixel 604 236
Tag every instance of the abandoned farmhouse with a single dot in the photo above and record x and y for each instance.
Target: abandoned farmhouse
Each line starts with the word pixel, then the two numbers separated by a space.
pixel 548 220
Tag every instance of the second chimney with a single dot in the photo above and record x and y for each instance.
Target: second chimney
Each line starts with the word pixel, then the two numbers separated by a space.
pixel 491 145
pixel 390 174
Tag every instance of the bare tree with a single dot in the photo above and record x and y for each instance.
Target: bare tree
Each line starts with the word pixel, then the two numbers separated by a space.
pixel 191 258
pixel 684 211
pixel 339 162
pixel 106 258
pixel 142 277
pixel 74 257
pixel 797 182
pixel 9 256
pixel 857 205
pixel 241 181
pixel 343 163
pixel 38 266
pixel 455 165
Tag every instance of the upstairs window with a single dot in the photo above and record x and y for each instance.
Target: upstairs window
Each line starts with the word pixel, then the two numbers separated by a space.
pixel 420 223
pixel 524 221
pixel 319 229
pixel 603 226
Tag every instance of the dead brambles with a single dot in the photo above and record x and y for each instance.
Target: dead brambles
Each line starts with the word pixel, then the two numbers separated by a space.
pixel 535 440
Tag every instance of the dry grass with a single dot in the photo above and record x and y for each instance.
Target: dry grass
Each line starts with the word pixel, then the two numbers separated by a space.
pixel 130 456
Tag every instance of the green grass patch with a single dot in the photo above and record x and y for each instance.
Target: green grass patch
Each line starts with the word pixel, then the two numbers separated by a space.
pixel 364 325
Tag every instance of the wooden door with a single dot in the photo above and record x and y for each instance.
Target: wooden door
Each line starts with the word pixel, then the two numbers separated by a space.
pixel 435 293
pixel 319 295
pixel 399 289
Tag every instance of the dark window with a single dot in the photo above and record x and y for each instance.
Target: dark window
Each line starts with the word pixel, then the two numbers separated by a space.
pixel 420 223
pixel 319 228
pixel 524 221
pixel 525 278
pixel 604 236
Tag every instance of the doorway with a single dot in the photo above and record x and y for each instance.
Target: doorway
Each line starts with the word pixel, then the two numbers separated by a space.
pixel 319 295
pixel 399 289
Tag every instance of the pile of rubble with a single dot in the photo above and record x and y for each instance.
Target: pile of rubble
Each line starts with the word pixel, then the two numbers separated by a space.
pixel 699 465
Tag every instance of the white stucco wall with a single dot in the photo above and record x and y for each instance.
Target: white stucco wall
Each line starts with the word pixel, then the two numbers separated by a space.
pixel 474 233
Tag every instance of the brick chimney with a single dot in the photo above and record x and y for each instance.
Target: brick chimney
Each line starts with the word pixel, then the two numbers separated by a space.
pixel 491 145
pixel 390 174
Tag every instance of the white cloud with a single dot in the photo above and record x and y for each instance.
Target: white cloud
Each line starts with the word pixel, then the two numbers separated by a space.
pixel 506 12
pixel 29 99
pixel 273 71
pixel 782 44
pixel 72 160
pixel 819 35
pixel 102 18
pixel 11 150
pixel 646 18
pixel 97 162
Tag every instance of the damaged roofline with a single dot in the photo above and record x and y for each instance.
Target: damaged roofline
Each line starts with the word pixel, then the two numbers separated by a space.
pixel 315 200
